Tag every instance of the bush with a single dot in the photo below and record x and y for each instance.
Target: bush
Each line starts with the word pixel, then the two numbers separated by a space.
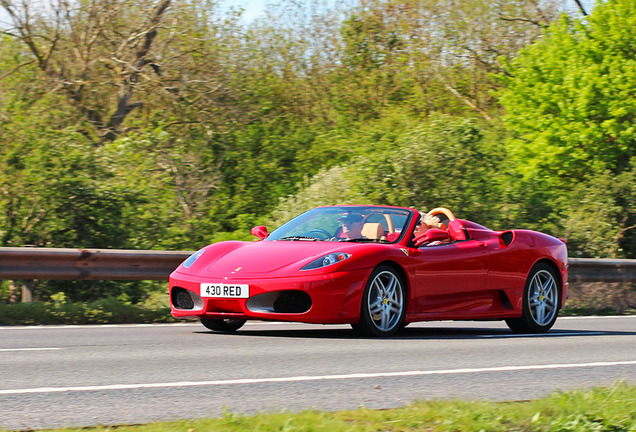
pixel 601 298
pixel 105 311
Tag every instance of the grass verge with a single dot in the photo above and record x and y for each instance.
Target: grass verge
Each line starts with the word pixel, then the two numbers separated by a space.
pixel 598 409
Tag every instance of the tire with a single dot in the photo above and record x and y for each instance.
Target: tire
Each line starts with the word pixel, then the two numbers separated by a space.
pixel 223 325
pixel 383 303
pixel 541 300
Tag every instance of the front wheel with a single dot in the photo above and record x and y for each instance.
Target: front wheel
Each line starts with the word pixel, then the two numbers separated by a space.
pixel 383 303
pixel 222 325
pixel 541 299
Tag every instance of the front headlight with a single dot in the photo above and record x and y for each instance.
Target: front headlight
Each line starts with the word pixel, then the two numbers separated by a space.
pixel 187 263
pixel 327 260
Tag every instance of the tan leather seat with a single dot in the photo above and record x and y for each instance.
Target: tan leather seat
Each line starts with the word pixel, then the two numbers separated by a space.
pixel 373 231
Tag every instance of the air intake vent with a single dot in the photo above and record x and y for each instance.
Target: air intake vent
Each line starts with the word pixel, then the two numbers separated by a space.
pixel 181 299
pixel 507 237
pixel 292 302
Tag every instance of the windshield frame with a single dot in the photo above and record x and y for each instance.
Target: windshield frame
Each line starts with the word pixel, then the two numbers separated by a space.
pixel 286 231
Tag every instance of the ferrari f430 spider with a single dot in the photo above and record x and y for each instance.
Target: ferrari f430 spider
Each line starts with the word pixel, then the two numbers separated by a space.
pixel 377 268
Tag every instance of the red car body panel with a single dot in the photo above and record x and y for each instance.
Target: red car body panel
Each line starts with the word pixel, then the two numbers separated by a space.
pixel 482 277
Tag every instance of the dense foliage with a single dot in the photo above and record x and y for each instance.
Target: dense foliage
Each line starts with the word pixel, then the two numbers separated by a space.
pixel 168 125
pixel 571 108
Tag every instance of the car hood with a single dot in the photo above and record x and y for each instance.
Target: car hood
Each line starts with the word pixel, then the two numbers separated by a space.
pixel 248 259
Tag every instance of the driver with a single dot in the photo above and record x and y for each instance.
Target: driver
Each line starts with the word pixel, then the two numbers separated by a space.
pixel 352 226
pixel 426 222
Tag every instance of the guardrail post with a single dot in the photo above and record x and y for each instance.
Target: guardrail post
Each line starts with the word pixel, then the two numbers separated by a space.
pixel 27 291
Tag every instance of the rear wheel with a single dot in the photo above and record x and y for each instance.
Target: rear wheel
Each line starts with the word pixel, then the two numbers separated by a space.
pixel 222 325
pixel 541 299
pixel 383 303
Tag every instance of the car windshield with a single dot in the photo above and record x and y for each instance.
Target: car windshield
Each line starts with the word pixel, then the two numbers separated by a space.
pixel 346 223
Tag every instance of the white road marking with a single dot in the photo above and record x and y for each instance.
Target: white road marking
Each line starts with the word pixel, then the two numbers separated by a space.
pixel 312 378
pixel 596 317
pixel 28 349
pixel 110 326
pixel 100 326
pixel 520 335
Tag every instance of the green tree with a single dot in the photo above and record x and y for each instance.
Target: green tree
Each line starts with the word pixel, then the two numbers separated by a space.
pixel 603 222
pixel 444 161
pixel 432 56
pixel 570 98
pixel 570 104
pixel 113 62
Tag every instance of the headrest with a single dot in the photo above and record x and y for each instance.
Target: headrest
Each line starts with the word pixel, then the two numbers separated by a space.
pixel 372 230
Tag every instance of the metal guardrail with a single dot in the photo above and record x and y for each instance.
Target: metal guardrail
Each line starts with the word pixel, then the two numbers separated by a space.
pixel 602 270
pixel 25 263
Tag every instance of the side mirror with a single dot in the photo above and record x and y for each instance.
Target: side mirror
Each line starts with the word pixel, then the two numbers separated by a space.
pixel 431 235
pixel 260 232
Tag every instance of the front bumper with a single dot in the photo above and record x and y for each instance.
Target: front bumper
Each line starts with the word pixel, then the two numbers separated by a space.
pixel 332 298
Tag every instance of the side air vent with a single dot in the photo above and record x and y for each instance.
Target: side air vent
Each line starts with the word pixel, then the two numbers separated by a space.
pixel 507 237
pixel 505 301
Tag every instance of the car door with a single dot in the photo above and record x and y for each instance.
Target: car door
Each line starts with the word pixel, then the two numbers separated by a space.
pixel 448 277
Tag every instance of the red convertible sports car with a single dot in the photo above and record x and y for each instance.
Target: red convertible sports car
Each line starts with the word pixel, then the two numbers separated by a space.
pixel 377 268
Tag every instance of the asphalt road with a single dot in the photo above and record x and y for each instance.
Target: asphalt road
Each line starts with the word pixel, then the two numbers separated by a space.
pixel 87 375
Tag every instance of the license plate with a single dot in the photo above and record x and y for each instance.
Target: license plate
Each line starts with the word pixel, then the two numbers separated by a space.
pixel 225 290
